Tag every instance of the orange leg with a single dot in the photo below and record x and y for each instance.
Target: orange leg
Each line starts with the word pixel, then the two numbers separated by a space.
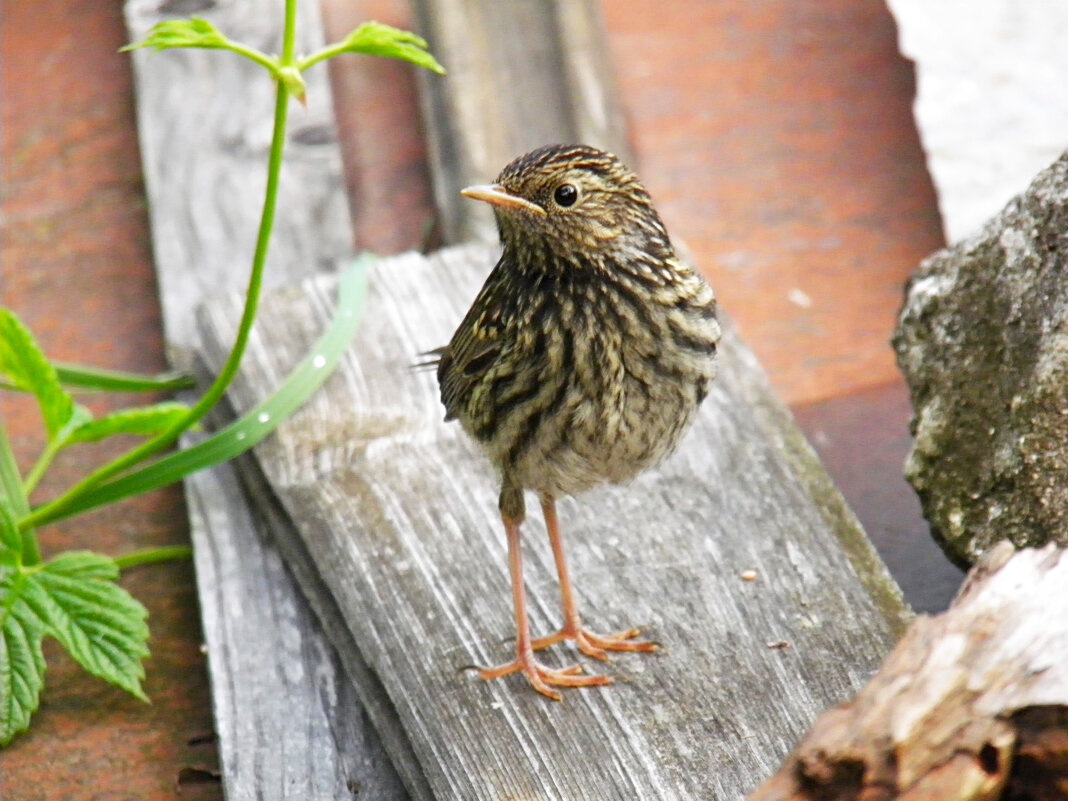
pixel 589 643
pixel 539 676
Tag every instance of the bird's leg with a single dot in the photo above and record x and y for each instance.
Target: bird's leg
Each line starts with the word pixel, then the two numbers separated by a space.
pixel 589 643
pixel 539 676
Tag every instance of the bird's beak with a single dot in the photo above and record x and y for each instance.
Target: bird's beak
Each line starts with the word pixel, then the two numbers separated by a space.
pixel 497 195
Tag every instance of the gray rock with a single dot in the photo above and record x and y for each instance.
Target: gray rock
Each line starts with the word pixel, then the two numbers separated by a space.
pixel 983 342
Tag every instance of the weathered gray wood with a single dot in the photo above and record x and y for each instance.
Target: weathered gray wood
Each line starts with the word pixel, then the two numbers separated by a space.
pixel 522 73
pixel 398 513
pixel 287 722
pixel 287 715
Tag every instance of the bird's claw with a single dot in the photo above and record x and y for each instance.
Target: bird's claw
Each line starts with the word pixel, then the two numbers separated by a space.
pixel 597 645
pixel 541 678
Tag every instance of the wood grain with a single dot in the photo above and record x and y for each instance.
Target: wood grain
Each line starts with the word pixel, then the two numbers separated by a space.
pixel 285 711
pixel 398 513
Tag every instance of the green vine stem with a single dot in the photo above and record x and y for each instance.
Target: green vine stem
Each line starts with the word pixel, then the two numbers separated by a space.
pixel 95 378
pixel 11 487
pixel 151 556
pixel 67 503
pixel 40 466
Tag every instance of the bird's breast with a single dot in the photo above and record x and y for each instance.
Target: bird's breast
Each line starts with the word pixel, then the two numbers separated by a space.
pixel 610 403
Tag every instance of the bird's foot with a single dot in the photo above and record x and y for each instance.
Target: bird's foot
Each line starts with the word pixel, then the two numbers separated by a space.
pixel 542 678
pixel 596 645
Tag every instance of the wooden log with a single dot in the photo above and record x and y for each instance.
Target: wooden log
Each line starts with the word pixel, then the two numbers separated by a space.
pixel 521 74
pixel 972 704
pixel 397 511
pixel 287 722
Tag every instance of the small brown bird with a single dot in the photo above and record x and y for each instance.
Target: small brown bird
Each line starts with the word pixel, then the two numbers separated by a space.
pixel 582 360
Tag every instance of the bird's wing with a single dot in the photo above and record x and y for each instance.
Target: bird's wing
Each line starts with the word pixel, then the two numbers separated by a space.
pixel 475 347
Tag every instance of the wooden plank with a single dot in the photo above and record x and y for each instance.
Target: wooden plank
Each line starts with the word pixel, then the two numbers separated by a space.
pixel 398 513
pixel 421 741
pixel 287 721
pixel 361 687
pixel 522 73
pixel 285 710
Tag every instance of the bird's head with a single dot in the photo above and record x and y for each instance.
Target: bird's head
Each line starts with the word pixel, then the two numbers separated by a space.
pixel 564 201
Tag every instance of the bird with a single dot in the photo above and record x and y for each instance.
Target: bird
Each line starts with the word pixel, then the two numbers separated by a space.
pixel 582 361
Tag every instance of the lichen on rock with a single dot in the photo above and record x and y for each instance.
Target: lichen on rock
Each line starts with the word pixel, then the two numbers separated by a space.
pixel 982 339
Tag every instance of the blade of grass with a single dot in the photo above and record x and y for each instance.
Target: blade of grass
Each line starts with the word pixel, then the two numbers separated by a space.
pixel 237 437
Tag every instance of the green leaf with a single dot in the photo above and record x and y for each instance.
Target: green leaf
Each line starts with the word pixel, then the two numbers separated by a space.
pixel 142 420
pixel 192 32
pixel 197 32
pixel 18 505
pixel 22 663
pixel 28 369
pixel 75 599
pixel 376 39
pixel 84 565
pixel 96 620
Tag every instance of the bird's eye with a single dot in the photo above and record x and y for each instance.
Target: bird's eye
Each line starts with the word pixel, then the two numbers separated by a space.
pixel 565 195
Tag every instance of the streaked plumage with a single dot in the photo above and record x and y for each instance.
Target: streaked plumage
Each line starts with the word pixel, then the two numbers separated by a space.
pixel 591 345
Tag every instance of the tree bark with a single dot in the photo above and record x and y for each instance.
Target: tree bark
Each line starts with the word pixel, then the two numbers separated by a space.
pixel 971 704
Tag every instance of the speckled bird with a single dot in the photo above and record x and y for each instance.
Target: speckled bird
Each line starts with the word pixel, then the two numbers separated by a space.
pixel 582 360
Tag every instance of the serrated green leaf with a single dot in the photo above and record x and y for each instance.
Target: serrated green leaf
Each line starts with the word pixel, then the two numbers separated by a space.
pixel 376 39
pixel 197 32
pixel 143 421
pixel 22 662
pixel 85 565
pixel 22 361
pixel 192 32
pixel 13 494
pixel 97 621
